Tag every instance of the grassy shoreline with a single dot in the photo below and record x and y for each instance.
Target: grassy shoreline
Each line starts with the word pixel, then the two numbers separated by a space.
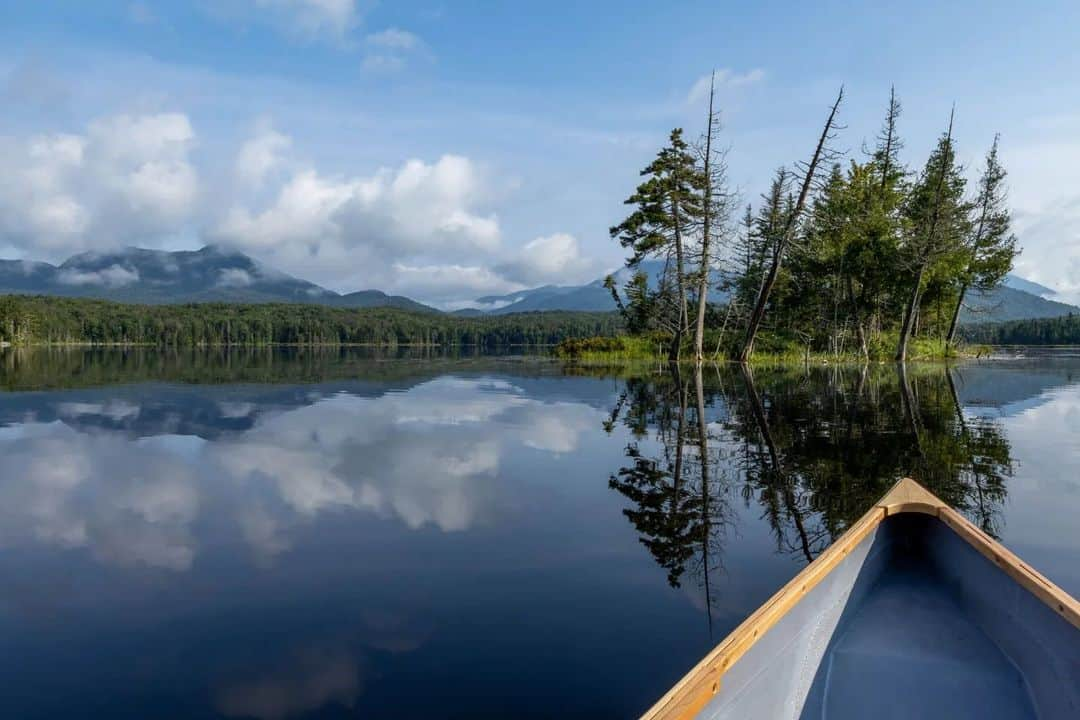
pixel 627 348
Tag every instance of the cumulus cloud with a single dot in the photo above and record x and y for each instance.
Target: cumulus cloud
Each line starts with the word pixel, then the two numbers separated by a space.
pixel 725 78
pixel 551 258
pixel 451 285
pixel 125 179
pixel 337 226
pixel 113 276
pixel 1045 196
pixel 423 228
pixel 261 154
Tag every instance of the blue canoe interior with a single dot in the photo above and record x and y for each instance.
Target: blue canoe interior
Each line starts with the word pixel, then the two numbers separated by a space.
pixel 913 613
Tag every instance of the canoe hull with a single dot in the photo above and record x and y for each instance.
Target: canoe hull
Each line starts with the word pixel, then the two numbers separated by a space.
pixel 914 612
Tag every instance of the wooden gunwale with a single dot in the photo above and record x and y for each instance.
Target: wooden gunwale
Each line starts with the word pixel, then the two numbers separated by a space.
pixel 686 698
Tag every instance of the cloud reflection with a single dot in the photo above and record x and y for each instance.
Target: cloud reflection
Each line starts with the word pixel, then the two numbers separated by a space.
pixel 428 457
pixel 310 681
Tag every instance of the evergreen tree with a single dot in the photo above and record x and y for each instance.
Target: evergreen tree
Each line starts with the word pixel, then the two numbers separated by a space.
pixel 668 208
pixel 937 216
pixel 990 248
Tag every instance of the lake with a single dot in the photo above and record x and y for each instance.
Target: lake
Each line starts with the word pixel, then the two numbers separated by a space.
pixel 330 534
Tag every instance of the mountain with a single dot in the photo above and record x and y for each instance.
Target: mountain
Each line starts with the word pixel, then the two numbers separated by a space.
pixel 377 298
pixel 1008 303
pixel 592 297
pixel 1019 283
pixel 1017 299
pixel 217 274
pixel 212 274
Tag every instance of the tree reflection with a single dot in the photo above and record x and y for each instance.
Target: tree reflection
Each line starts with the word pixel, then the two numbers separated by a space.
pixel 678 506
pixel 812 448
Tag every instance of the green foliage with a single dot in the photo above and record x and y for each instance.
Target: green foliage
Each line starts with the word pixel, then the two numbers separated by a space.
pixel 607 349
pixel 1063 330
pixel 48 320
pixel 668 208
pixel 880 256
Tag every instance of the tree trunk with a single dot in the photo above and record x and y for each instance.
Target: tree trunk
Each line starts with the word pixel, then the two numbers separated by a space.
pixel 909 316
pixel 676 346
pixel 789 232
pixel 863 345
pixel 913 305
pixel 956 315
pixel 703 284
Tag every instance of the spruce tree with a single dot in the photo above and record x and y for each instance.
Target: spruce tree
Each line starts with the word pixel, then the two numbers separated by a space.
pixel 990 247
pixel 668 208
pixel 938 223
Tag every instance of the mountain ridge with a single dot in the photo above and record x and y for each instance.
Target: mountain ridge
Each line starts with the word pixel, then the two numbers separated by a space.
pixel 215 273
pixel 211 274
pixel 1015 299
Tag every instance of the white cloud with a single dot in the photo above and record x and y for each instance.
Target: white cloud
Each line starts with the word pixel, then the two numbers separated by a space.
pixel 1045 197
pixel 234 278
pixel 450 285
pixel 126 179
pixel 725 78
pixel 549 259
pixel 423 228
pixel 390 50
pixel 312 19
pixel 349 230
pixel 394 39
pixel 261 154
pixel 113 276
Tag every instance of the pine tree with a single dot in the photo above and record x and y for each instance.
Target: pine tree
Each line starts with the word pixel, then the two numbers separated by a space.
pixel 990 248
pixel 669 205
pixel 938 222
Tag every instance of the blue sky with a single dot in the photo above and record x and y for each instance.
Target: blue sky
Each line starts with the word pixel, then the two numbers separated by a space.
pixel 450 150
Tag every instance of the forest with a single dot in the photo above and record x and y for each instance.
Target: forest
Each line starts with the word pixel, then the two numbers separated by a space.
pixel 27 320
pixel 1064 330
pixel 857 256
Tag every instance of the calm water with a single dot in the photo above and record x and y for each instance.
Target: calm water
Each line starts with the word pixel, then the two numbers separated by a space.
pixel 273 535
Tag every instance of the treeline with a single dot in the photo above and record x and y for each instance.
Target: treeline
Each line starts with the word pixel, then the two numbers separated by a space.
pixel 859 256
pixel 1064 330
pixel 27 320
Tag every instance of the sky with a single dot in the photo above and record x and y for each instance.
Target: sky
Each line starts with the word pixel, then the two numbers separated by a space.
pixel 449 150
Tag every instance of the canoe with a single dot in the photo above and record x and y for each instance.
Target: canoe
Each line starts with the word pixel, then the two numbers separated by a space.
pixel 914 612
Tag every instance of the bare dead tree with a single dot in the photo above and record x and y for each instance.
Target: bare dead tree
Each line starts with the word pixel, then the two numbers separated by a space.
pixel 791 227
pixel 716 210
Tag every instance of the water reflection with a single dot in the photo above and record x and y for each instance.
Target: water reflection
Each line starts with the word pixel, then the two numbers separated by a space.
pixel 320 534
pixel 428 457
pixel 812 449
